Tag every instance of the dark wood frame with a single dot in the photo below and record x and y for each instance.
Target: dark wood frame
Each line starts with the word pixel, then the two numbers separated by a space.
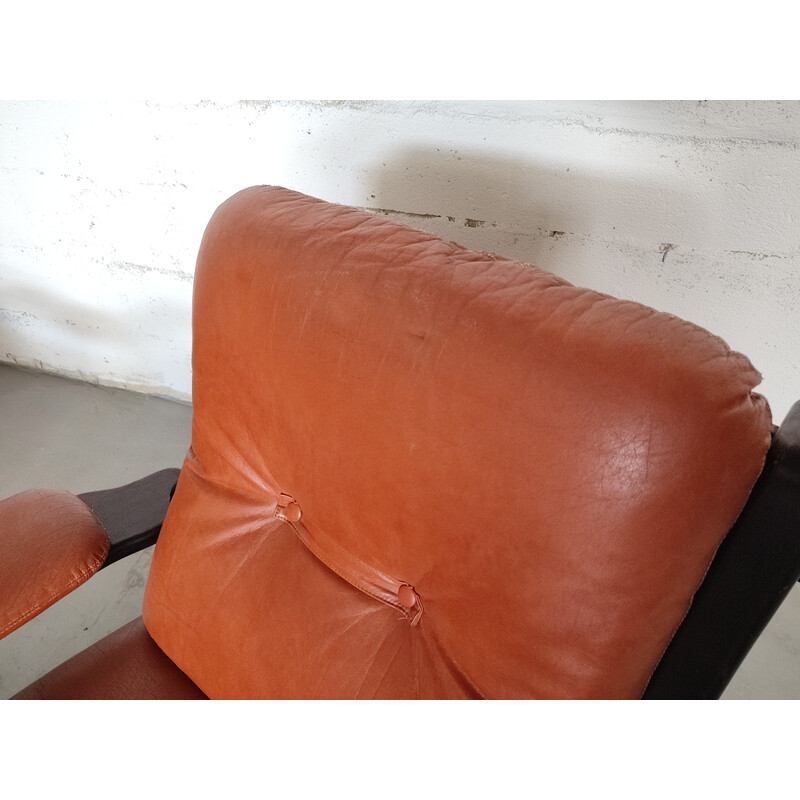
pixel 755 567
pixel 132 514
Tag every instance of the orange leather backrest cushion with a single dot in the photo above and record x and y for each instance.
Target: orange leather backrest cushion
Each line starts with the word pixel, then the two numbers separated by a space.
pixel 421 471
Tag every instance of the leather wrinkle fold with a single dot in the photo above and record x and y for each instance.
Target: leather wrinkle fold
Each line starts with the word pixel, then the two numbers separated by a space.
pixel 381 587
pixel 357 573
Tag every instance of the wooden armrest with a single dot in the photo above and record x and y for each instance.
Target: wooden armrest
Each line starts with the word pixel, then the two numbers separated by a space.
pixel 132 514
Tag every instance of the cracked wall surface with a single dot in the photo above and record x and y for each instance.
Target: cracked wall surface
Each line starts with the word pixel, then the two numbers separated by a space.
pixel 690 207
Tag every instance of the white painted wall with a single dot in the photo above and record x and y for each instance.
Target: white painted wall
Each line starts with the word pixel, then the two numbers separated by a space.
pixel 691 207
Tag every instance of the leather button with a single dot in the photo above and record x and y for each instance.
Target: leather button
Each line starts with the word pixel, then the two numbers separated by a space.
pixel 293 512
pixel 407 596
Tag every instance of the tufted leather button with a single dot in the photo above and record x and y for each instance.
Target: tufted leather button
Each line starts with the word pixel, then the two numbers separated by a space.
pixel 407 596
pixel 288 508
pixel 293 512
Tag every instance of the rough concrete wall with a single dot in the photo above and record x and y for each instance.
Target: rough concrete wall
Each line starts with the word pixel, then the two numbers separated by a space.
pixel 690 207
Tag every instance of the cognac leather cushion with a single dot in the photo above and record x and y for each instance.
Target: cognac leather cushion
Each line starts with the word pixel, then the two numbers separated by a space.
pixel 420 471
pixel 125 665
pixel 50 543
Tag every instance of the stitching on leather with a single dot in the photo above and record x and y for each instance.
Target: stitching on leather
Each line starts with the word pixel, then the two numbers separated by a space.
pixel 412 614
pixel 299 533
pixel 366 566
pixel 84 574
pixel 340 572
pixel 451 664
pixel 307 539
pixel 31 612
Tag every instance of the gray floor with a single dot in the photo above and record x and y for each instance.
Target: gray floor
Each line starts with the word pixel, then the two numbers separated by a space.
pixel 64 434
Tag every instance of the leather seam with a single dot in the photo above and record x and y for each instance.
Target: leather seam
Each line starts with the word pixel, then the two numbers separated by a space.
pixel 316 552
pixel 33 611
pixel 407 613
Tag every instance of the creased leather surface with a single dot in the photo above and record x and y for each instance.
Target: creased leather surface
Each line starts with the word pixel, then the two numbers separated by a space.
pixel 50 543
pixel 549 468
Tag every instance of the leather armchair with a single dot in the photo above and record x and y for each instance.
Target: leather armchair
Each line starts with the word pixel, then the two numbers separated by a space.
pixel 418 471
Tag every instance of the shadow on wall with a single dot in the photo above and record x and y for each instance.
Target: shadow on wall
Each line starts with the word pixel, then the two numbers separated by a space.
pixel 573 213
pixel 539 213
